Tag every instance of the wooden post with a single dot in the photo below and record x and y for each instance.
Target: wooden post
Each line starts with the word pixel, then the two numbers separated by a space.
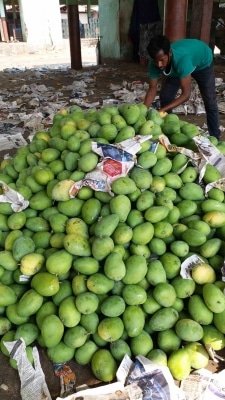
pixel 175 19
pixel 5 29
pixel 201 18
pixel 74 36
pixel 3 23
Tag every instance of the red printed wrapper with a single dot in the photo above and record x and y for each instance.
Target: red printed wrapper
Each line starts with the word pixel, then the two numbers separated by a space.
pixel 117 160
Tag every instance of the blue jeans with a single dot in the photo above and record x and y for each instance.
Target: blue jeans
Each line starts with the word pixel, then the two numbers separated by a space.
pixel 205 79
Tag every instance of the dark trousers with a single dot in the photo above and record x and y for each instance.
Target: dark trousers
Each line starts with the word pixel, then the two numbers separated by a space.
pixel 206 83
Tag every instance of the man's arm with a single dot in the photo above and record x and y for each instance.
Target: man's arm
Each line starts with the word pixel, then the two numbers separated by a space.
pixel 151 93
pixel 185 84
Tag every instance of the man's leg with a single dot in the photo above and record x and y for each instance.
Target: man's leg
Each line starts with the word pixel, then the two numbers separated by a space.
pixel 206 82
pixel 169 90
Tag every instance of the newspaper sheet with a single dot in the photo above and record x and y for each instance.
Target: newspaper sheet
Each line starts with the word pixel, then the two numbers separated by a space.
pixel 33 384
pixel 116 161
pixel 17 201
pixel 207 154
pixel 138 380
pixel 204 385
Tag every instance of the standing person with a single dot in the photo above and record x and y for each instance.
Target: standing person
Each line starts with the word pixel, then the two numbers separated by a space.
pixel 145 23
pixel 178 62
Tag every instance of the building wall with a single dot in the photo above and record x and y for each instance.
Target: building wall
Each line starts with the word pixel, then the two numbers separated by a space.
pixel 89 27
pixel 114 21
pixel 126 7
pixel 109 28
pixel 114 17
pixel 41 23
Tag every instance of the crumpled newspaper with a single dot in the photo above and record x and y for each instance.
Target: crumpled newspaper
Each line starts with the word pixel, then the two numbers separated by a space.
pixel 220 184
pixel 33 384
pixel 204 385
pixel 185 272
pixel 13 139
pixel 18 202
pixel 138 380
pixel 194 157
pixel 117 160
pixel 195 104
pixel 113 391
pixel 221 107
pixel 34 88
pixel 156 382
pixel 188 264
pixel 130 92
pixel 84 103
pixel 207 154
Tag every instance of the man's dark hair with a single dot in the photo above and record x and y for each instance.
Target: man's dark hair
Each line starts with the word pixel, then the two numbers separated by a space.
pixel 158 43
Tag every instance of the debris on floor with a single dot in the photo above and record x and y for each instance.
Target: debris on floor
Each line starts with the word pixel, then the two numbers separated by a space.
pixel 35 95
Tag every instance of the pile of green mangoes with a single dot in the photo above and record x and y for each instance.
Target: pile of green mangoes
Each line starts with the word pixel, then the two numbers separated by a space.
pixel 95 277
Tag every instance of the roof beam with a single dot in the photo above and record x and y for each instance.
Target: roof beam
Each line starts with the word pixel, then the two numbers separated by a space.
pixel 79 2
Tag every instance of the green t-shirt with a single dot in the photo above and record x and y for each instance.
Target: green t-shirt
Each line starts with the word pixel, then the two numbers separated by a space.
pixel 188 55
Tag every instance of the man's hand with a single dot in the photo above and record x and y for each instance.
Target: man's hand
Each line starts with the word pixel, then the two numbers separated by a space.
pixel 185 84
pixel 162 113
pixel 151 93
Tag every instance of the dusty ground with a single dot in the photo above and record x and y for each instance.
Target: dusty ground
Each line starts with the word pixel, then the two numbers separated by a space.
pixel 18 55
pixel 12 81
pixel 61 76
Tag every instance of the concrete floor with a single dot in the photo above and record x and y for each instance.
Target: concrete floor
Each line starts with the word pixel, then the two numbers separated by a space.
pixel 16 55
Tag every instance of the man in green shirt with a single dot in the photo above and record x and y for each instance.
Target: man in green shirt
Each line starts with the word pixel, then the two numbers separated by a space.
pixel 178 62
